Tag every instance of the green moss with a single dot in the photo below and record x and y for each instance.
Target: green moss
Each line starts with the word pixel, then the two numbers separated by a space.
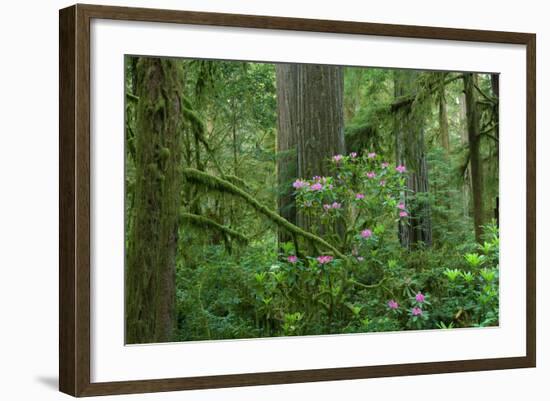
pixel 206 223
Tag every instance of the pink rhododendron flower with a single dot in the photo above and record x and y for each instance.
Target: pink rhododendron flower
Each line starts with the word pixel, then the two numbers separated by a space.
pixel 326 207
pixel 317 178
pixel 420 297
pixel 336 205
pixel 401 205
pixel 403 214
pixel 353 155
pixel 385 165
pixel 337 158
pixel 371 155
pixel 383 183
pixel 400 169
pixel 371 174
pixel 416 311
pixel 366 233
pixel 359 196
pixel 316 187
pixel 392 304
pixel 299 184
pixel 324 259
pixel 292 258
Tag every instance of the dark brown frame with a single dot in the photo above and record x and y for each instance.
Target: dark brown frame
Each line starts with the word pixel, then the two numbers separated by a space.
pixel 74 199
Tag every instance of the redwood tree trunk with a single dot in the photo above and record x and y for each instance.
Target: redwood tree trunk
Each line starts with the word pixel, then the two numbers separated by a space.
pixel 472 119
pixel 311 120
pixel 153 237
pixel 410 151
pixel 287 169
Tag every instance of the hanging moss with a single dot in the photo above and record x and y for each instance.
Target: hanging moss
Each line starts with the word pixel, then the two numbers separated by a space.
pixel 206 223
pixel 221 185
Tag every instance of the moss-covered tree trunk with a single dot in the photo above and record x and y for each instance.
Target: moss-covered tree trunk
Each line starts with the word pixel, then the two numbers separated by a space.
pixel 410 151
pixel 443 118
pixel 472 118
pixel 466 177
pixel 153 237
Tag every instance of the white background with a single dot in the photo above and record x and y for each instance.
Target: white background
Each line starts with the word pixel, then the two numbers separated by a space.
pixel 28 202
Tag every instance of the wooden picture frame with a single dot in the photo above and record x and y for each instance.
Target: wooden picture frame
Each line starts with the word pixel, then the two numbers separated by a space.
pixel 74 203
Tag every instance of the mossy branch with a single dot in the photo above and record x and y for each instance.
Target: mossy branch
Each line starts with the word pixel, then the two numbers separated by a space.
pixel 431 88
pixel 221 185
pixel 203 222
pixel 367 286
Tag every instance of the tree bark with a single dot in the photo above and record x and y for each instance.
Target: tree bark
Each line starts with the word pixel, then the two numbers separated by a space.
pixel 410 151
pixel 443 119
pixel 287 169
pixel 467 179
pixel 472 118
pixel 153 238
pixel 311 120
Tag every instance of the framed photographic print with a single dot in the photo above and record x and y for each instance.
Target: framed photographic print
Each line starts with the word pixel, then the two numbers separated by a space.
pixel 250 200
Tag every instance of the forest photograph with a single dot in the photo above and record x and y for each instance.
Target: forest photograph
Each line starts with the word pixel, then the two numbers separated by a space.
pixel 283 199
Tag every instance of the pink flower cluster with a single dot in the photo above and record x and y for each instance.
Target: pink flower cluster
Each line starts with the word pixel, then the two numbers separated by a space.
pixel 337 158
pixel 366 233
pixel 300 184
pixel 371 155
pixel 292 259
pixel 401 168
pixel 324 259
pixel 392 304
pixel 385 164
pixel 371 174
pixel 416 311
pixel 359 196
pixel 353 155
pixel 335 205
pixel 317 186
pixel 420 297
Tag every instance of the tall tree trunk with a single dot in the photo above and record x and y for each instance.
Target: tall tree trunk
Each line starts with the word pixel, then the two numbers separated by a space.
pixel 319 121
pixel 495 86
pixel 311 119
pixel 410 151
pixel 443 119
pixel 152 243
pixel 466 179
pixel 472 118
pixel 287 166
